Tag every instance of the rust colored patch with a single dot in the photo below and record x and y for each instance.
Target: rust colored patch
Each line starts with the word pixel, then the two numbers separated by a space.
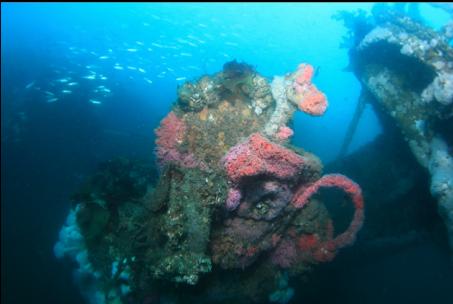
pixel 204 114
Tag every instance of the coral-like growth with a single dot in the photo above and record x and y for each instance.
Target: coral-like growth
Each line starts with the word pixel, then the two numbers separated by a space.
pixel 306 96
pixel 264 176
pixel 233 199
pixel 312 101
pixel 308 241
pixel 196 96
pixel 311 247
pixel 257 155
pixel 170 135
pixel 304 248
pixel 294 90
pixel 284 133
pixel 304 74
pixel 171 132
pixel 234 69
pixel 303 195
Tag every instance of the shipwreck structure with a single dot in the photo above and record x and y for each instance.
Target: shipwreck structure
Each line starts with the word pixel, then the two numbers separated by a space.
pixel 234 214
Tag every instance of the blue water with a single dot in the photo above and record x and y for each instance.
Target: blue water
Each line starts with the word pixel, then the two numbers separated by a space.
pixel 82 83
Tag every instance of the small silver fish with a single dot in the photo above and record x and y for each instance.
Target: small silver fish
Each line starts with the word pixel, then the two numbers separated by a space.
pixel 63 80
pixel 104 89
pixel 28 86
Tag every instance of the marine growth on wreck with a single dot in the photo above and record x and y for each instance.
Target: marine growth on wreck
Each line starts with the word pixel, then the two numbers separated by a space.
pixel 406 72
pixel 236 211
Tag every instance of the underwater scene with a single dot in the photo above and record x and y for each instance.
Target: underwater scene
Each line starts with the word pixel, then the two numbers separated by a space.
pixel 172 153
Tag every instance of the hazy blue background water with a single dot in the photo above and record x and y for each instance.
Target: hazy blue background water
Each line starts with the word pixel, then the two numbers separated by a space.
pixel 126 61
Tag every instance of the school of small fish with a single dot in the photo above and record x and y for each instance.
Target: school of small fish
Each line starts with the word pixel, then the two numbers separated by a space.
pixel 161 58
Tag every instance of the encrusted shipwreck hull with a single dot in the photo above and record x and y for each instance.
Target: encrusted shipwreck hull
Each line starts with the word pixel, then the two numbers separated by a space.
pixel 407 70
pixel 232 216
